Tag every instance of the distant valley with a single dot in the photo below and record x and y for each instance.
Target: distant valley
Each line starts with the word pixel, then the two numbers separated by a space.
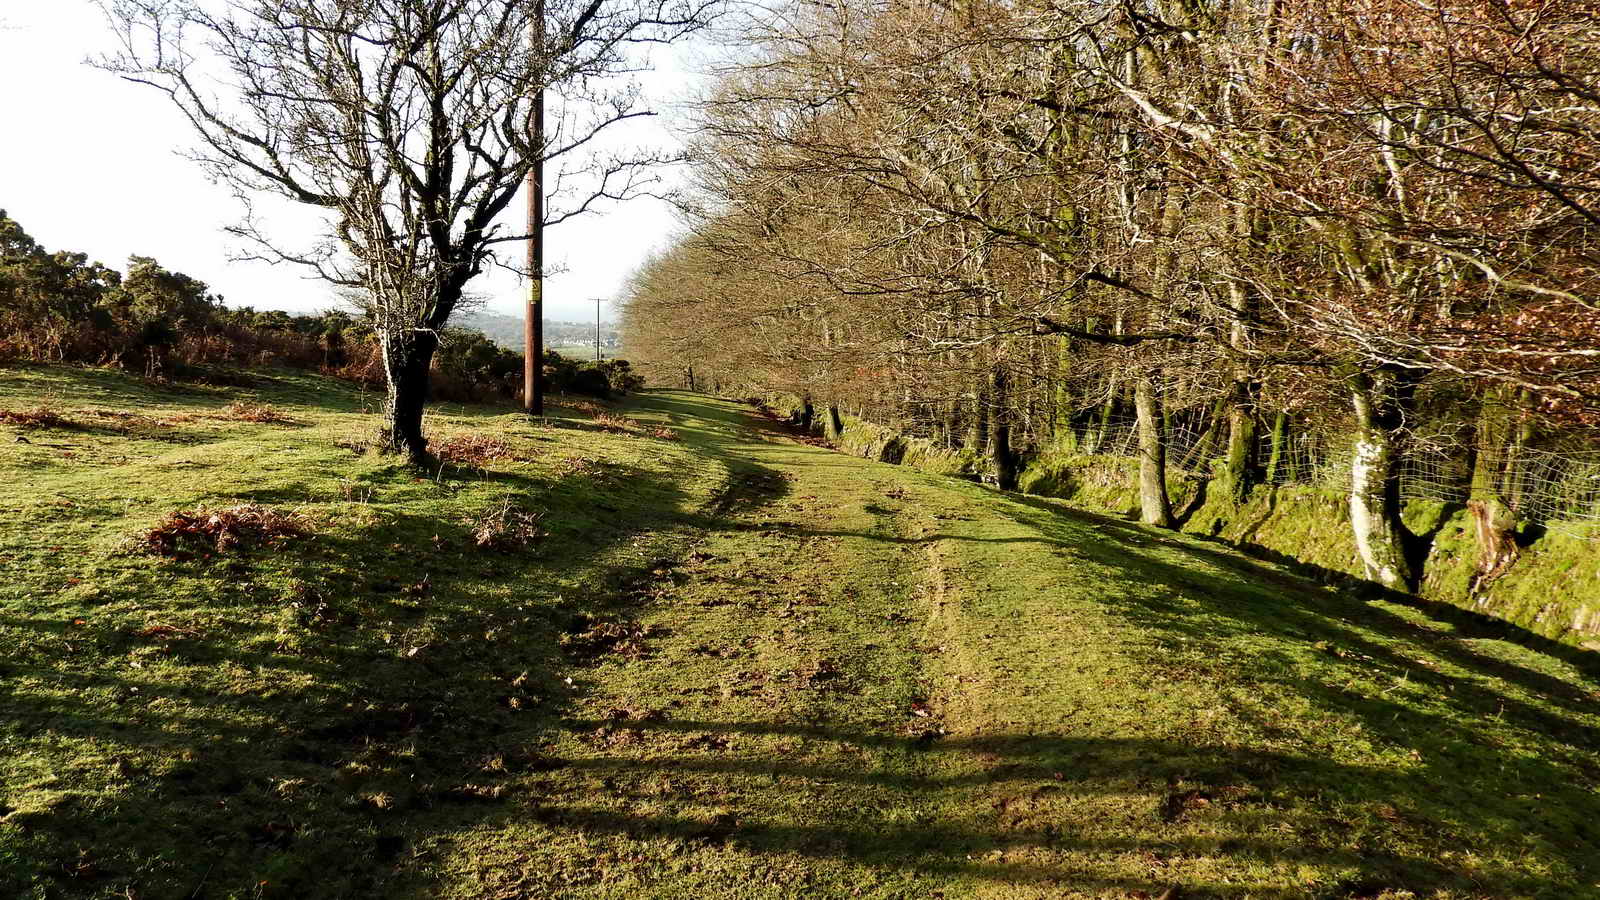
pixel 568 337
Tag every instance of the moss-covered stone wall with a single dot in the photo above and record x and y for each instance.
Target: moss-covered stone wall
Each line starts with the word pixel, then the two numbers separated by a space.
pixel 885 445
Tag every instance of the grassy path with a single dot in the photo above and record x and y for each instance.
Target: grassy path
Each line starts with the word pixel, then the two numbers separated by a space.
pixel 738 666
pixel 868 682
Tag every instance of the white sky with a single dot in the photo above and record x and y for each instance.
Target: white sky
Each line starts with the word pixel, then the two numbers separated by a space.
pixel 90 163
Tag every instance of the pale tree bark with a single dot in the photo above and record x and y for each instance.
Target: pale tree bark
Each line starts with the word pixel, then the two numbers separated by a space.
pixel 833 423
pixel 1382 401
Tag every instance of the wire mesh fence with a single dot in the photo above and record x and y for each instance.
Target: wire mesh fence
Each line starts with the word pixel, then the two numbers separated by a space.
pixel 1549 486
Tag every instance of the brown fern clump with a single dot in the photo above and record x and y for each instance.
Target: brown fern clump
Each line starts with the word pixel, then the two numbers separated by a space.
pixel 37 417
pixel 222 530
pixel 259 413
pixel 122 420
pixel 474 450
pixel 505 526
pixel 617 424
pixel 583 406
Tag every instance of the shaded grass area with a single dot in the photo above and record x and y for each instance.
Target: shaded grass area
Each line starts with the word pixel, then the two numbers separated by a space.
pixel 738 666
pixel 291 721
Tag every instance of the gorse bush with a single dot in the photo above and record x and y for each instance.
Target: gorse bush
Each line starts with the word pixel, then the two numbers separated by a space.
pixel 60 307
pixel 594 379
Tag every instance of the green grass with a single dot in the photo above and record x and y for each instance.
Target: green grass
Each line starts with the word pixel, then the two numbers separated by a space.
pixel 1550 592
pixel 838 678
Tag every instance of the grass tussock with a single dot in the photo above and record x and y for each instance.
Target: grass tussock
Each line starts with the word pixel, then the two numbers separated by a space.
pixel 222 530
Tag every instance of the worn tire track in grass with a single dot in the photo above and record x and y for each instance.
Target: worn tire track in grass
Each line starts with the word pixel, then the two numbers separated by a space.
pixel 762 747
pixel 878 683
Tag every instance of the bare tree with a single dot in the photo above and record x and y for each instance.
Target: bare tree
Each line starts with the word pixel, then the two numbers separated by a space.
pixel 407 123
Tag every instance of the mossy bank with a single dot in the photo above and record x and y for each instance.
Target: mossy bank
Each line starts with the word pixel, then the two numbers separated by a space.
pixel 1552 589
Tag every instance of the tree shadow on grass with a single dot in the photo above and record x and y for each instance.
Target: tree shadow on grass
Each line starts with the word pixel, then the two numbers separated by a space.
pixel 1487 791
pixel 1294 600
pixel 1524 789
pixel 307 753
pixel 1014 814
pixel 1451 624
pixel 1530 781
pixel 298 717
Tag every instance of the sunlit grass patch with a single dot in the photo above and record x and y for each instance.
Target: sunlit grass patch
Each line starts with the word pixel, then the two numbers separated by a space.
pixel 730 666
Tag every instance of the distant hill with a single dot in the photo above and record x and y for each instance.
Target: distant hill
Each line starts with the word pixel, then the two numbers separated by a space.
pixel 503 330
pixel 507 331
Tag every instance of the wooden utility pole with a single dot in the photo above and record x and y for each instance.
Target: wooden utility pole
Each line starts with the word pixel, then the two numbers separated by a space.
pixel 533 328
pixel 597 302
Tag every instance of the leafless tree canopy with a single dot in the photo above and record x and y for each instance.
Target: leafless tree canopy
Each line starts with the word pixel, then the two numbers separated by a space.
pixel 998 223
pixel 407 122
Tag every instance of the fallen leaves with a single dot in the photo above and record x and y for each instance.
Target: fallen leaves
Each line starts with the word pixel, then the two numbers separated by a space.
pixel 571 466
pixel 824 674
pixel 165 632
pixel 471 793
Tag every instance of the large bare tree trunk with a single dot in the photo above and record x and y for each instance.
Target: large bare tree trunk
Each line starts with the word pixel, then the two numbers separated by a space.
pixel 1155 507
pixel 1381 401
pixel 407 358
